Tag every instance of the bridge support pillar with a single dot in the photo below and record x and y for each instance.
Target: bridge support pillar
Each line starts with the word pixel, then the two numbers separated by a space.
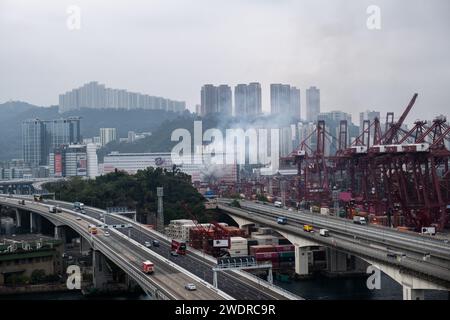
pixel 336 261
pixel 18 219
pixel 84 246
pixel 270 276
pixel 412 294
pixel 60 233
pixel 32 222
pixel 301 260
pixel 99 270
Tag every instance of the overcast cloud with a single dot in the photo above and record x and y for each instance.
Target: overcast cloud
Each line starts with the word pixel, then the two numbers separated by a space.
pixel 171 48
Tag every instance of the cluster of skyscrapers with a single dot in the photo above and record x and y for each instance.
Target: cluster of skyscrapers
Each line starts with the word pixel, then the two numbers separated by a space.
pixel 57 144
pixel 284 99
pixel 40 137
pixel 95 95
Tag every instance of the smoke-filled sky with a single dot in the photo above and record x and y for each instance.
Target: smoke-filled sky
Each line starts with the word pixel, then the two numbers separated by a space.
pixel 171 48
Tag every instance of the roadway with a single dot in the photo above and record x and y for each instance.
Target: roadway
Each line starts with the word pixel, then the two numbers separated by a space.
pixel 422 254
pixel 170 280
pixel 230 282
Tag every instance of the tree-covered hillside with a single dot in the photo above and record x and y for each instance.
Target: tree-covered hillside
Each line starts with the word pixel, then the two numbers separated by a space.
pixel 137 191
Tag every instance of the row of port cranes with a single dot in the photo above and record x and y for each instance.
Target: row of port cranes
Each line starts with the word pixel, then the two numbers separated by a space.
pixel 402 176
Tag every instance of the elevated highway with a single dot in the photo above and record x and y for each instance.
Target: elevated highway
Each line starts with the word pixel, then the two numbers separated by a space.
pixel 168 280
pixel 414 260
pixel 238 284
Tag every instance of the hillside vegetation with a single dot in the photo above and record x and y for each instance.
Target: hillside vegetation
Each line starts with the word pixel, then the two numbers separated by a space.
pixel 137 191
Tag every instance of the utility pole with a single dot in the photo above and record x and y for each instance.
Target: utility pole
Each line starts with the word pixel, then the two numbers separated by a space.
pixel 160 215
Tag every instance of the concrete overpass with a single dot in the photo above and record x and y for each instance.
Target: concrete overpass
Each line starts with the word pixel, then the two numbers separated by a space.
pixel 235 284
pixel 238 284
pixel 421 263
pixel 24 186
pixel 166 283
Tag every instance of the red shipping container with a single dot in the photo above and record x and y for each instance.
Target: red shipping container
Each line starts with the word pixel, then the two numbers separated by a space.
pixel 267 255
pixel 283 248
pixel 261 248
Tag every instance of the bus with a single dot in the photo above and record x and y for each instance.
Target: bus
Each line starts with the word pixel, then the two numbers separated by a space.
pixel 178 246
pixel 92 229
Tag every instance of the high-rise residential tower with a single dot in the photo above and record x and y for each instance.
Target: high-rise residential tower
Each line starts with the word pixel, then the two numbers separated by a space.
pixel 247 99
pixel 312 104
pixel 209 100
pixel 95 95
pixel 224 99
pixel 39 137
pixel 295 103
pixel 107 135
pixel 280 98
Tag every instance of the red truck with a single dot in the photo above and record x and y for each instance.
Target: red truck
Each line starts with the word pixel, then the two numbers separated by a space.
pixel 147 267
pixel 178 246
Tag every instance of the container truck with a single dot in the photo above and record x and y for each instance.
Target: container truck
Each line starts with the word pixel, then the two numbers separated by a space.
pixel 178 246
pixel 359 220
pixel 281 220
pixel 429 230
pixel 78 205
pixel 148 267
pixel 54 209
pixel 92 229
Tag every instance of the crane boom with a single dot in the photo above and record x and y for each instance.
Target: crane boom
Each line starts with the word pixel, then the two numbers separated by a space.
pixel 392 131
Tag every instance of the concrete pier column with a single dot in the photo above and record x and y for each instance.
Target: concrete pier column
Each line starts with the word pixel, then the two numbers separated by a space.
pixel 60 233
pixel 84 246
pixel 99 270
pixel 301 260
pixel 336 260
pixel 32 222
pixel 18 219
pixel 412 294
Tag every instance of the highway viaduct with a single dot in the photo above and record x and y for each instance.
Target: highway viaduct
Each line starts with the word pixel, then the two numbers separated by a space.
pixel 195 267
pixel 420 263
pixel 166 283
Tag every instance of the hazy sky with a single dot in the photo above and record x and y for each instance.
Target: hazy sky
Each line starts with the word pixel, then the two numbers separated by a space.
pixel 171 48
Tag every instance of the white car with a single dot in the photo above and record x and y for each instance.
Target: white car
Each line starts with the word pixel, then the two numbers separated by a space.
pixel 147 244
pixel 78 218
pixel 190 287
pixel 106 233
